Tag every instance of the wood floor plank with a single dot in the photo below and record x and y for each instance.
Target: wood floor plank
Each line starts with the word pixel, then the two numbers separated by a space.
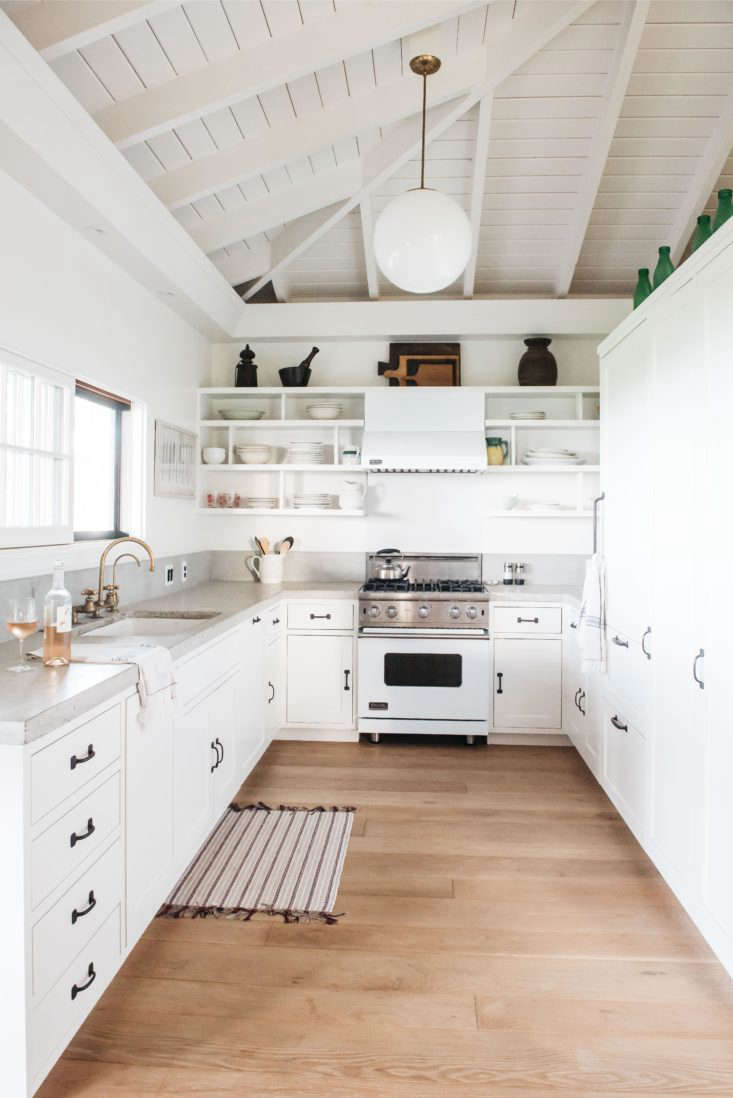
pixel 504 937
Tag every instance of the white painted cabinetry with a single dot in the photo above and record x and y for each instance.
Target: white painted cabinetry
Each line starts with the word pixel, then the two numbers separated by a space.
pixel 320 680
pixel 528 683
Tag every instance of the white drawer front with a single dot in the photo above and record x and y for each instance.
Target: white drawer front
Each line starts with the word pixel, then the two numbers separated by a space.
pixel 55 1020
pixel 627 768
pixel 273 622
pixel 527 619
pixel 197 673
pixel 69 925
pixel 631 675
pixel 338 614
pixel 59 770
pixel 66 844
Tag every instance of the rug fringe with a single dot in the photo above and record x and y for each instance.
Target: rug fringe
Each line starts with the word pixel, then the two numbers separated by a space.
pixel 262 807
pixel 245 914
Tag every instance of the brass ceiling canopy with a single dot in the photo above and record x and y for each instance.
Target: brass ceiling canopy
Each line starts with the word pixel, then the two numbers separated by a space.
pixel 425 64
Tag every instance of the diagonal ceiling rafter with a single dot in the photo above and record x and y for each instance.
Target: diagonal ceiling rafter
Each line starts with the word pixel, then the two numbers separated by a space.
pixel 351 30
pixel 530 32
pixel 55 28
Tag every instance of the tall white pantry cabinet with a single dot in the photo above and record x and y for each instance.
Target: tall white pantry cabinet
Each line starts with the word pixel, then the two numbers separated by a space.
pixel 667 454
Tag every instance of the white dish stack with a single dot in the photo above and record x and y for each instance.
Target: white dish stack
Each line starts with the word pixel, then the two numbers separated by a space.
pixel 526 415
pixel 253 454
pixel 324 409
pixel 260 503
pixel 305 453
pixel 313 501
pixel 552 457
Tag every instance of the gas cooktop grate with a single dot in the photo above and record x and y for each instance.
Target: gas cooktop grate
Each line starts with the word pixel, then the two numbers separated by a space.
pixel 458 587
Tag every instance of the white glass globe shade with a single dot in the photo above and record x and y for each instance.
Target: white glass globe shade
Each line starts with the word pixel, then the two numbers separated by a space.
pixel 422 241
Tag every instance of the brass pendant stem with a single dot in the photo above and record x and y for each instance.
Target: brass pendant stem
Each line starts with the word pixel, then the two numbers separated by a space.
pixel 425 64
pixel 424 112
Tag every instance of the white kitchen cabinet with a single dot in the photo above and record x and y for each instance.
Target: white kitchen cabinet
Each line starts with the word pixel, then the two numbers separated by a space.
pixel 192 793
pixel 627 769
pixel 274 693
pixel 527 683
pixel 320 676
pixel 252 699
pixel 149 782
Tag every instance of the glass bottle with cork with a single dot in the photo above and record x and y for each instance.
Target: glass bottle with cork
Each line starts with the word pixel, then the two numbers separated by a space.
pixel 57 621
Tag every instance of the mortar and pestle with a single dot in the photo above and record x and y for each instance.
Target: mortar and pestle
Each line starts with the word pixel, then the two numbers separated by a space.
pixel 291 376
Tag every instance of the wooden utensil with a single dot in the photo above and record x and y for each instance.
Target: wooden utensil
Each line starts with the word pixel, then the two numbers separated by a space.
pixel 262 544
pixel 286 545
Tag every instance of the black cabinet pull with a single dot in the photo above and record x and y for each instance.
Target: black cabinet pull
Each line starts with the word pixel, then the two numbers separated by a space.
pixel 77 914
pixel 700 656
pixel 580 702
pixel 321 617
pixel 215 749
pixel 617 724
pixel 275 621
pixel 77 988
pixel 256 620
pixel 77 760
pixel 529 621
pixel 573 625
pixel 577 695
pixel 643 645
pixel 74 838
pixel 500 676
pixel 620 643
pixel 346 680
pixel 220 745
pixel 272 695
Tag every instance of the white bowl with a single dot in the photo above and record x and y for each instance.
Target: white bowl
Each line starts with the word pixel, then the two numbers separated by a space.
pixel 323 411
pixel 213 455
pixel 254 455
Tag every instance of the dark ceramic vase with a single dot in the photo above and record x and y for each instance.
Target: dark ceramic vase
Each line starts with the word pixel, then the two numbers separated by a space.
pixel 246 373
pixel 537 366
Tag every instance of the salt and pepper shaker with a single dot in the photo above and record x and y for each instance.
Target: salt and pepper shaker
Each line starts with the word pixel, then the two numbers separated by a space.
pixel 508 573
pixel 519 575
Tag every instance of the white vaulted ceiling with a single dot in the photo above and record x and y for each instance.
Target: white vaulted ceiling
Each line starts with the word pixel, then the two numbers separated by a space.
pixel 577 136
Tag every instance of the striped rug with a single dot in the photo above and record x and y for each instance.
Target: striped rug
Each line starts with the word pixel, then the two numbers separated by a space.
pixel 283 861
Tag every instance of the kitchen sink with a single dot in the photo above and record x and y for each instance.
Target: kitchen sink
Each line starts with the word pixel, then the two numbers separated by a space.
pixel 151 623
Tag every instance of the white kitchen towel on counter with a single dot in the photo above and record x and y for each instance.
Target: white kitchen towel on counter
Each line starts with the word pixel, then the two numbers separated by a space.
pixel 154 664
pixel 592 620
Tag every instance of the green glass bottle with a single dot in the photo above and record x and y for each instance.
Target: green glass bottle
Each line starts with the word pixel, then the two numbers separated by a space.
pixel 664 267
pixel 725 208
pixel 701 233
pixel 643 287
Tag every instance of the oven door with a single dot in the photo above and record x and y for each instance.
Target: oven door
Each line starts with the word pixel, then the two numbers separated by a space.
pixel 441 683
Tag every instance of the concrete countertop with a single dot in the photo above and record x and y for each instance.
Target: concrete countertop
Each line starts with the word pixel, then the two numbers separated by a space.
pixel 33 705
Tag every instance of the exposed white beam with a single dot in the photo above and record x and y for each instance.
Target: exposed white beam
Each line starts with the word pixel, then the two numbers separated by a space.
pixel 480 153
pixel 367 234
pixel 54 27
pixel 703 181
pixel 530 32
pixel 279 207
pixel 291 141
pixel 635 16
pixel 352 29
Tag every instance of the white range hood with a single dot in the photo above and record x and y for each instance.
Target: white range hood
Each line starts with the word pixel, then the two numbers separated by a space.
pixel 430 430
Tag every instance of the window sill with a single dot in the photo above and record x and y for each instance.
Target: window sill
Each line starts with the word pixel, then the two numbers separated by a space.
pixel 38 559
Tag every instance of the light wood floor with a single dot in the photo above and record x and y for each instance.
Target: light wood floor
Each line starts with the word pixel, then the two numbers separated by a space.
pixel 504 937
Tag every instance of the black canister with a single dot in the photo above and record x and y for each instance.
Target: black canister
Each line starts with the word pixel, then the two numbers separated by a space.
pixel 246 371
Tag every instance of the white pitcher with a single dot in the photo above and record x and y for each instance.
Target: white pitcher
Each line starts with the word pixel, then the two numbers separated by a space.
pixel 267 569
pixel 352 497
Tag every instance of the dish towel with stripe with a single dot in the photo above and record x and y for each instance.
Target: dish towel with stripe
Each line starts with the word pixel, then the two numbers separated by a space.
pixel 592 620
pixel 154 665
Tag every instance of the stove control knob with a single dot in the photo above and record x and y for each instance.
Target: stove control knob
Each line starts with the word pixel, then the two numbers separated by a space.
pixel 471 612
pixel 455 611
pixel 391 611
pixel 373 611
pixel 423 611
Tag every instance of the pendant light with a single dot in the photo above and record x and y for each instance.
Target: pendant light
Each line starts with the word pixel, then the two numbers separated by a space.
pixel 422 239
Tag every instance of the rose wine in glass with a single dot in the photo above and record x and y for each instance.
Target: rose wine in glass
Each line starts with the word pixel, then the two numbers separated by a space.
pixel 21 622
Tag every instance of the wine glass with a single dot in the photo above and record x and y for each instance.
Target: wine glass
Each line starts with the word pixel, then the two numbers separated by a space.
pixel 22 620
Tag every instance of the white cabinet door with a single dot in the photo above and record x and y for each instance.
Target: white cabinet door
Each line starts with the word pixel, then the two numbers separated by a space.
pixel 626 378
pixel 224 727
pixel 527 683
pixel 193 758
pixel 149 808
pixel 320 680
pixel 252 699
pixel 273 698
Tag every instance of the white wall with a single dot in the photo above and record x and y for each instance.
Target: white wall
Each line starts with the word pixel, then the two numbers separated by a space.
pixel 65 304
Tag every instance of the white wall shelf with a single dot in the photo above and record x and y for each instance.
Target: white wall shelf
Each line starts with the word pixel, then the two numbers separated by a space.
pixel 239 467
pixel 325 512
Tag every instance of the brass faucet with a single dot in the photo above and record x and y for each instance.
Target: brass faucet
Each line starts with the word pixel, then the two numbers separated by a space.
pixel 112 604
pixel 112 600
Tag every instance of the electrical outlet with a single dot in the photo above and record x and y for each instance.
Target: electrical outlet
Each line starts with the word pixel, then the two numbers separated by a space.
pixel 184 571
pixel 168 575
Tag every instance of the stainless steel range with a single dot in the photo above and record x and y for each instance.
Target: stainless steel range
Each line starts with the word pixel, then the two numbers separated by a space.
pixel 423 645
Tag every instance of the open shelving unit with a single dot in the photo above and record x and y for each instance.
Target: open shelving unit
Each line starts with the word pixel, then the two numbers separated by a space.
pixel 572 420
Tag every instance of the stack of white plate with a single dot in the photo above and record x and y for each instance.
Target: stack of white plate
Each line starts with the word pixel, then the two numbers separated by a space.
pixel 324 409
pixel 260 503
pixel 305 453
pixel 241 413
pixel 552 457
pixel 253 454
pixel 526 415
pixel 319 501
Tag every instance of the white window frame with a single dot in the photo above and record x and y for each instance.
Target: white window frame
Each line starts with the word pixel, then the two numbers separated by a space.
pixel 62 533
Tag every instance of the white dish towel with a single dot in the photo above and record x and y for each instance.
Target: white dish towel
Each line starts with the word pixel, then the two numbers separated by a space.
pixel 592 620
pixel 154 664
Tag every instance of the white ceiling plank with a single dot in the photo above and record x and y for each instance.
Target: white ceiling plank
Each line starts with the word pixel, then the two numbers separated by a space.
pixel 367 233
pixel 146 55
pixel 311 47
pixel 112 68
pixel 175 34
pixel 477 189
pixel 530 32
pixel 247 21
pixel 244 264
pixel 82 81
pixel 296 138
pixel 709 168
pixel 212 29
pixel 287 204
pixel 56 29
pixel 619 76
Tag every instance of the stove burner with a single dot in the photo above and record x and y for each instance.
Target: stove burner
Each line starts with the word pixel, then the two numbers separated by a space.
pixel 468 587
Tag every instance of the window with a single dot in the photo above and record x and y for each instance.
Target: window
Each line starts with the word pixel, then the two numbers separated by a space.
pixel 98 428
pixel 35 454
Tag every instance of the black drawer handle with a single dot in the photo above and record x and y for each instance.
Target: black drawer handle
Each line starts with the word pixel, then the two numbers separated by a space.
pixel 617 724
pixel 76 914
pixel 78 988
pixel 220 745
pixel 573 625
pixel 700 656
pixel 74 838
pixel 580 702
pixel 77 760
pixel 215 749
pixel 528 621
pixel 644 648
pixel 320 617
pixel 256 620
pixel 275 621
pixel 500 676
pixel 577 695
pixel 620 643
pixel 346 680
